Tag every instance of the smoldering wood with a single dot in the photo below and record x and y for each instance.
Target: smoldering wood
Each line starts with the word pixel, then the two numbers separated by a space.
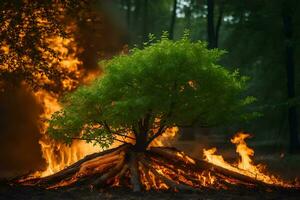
pixel 126 165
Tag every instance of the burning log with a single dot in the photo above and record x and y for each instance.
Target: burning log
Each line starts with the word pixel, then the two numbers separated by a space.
pixel 156 168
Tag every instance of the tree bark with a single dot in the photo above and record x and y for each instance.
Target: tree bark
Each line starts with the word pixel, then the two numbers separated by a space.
pixel 210 24
pixel 173 20
pixel 219 23
pixel 212 29
pixel 141 142
pixel 145 21
pixel 290 75
pixel 135 175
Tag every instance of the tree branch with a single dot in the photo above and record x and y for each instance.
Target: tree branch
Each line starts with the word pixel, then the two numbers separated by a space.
pixel 126 136
pixel 157 134
pixel 97 140
pixel 219 22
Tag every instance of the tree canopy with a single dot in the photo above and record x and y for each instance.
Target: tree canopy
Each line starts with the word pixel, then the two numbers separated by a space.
pixel 28 48
pixel 165 84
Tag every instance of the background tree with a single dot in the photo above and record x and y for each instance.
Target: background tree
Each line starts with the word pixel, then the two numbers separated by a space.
pixel 173 19
pixel 288 26
pixel 264 60
pixel 26 30
pixel 213 29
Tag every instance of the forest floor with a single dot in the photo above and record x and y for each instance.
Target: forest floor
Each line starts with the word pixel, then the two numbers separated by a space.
pixel 25 192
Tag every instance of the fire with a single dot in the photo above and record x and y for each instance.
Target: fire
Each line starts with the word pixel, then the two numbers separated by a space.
pixel 155 172
pixel 57 155
pixel 169 136
pixel 245 165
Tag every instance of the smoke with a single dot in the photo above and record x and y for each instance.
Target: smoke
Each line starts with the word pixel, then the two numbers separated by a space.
pixel 98 35
pixel 19 133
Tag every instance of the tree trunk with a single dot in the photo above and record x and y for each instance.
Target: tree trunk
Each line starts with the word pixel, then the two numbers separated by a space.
pixel 135 174
pixel 219 23
pixel 173 20
pixel 141 142
pixel 210 24
pixel 290 73
pixel 145 21
pixel 212 30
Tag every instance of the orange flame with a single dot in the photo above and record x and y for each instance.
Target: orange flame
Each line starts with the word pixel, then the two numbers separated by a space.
pixel 245 165
pixel 58 156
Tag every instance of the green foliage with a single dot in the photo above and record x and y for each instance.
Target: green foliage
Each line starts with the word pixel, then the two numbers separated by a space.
pixel 178 82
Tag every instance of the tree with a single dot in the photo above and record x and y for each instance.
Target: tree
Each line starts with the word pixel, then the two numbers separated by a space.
pixel 27 31
pixel 142 95
pixel 262 21
pixel 212 29
pixel 290 71
pixel 145 19
pixel 173 19
pixel 166 84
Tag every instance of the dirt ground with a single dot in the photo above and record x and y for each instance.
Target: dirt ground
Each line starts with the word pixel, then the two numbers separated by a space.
pixel 32 193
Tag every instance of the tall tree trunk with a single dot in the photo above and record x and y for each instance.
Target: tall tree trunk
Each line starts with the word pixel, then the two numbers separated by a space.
pixel 290 72
pixel 173 20
pixel 212 30
pixel 219 23
pixel 145 21
pixel 210 24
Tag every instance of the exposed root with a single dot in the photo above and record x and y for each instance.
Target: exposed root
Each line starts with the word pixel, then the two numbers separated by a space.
pixel 110 174
pixel 157 168
pixel 172 184
pixel 135 175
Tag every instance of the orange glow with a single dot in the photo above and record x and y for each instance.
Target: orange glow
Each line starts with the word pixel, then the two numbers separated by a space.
pixel 245 165
pixel 166 139
pixel 57 155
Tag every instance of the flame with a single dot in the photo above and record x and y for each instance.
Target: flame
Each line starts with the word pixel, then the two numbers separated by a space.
pixel 166 139
pixel 245 165
pixel 57 155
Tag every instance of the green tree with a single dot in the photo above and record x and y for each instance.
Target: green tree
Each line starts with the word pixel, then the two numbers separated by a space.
pixel 166 84
pixel 141 95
